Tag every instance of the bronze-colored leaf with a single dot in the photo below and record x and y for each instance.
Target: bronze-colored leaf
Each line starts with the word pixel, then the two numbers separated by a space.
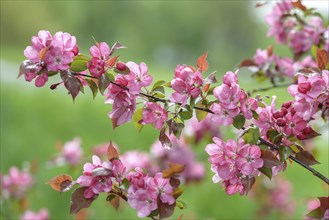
pixel 270 160
pixel 202 62
pixel 165 210
pixel 172 170
pixel 247 63
pixel 71 83
pixel 112 61
pixel 61 183
pixel 112 153
pixel 298 4
pixel 306 157
pixel 114 201
pixel 78 201
pixel 321 58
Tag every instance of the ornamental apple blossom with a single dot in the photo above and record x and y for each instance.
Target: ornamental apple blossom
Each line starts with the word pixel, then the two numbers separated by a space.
pixel 138 77
pixel 41 215
pixel 154 113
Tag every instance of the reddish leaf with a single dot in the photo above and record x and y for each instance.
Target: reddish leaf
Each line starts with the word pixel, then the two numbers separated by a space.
pixel 248 182
pixel 61 183
pixel 211 78
pixel 165 210
pixel 260 4
pixel 298 4
pixel 71 83
pixel 324 203
pixel 116 46
pixel 270 50
pixel 112 60
pixel 103 82
pixel 114 123
pixel 172 170
pixel 42 53
pixel 270 159
pixel 321 58
pixel 247 63
pixel 25 67
pixel 206 87
pixel 82 215
pixel 180 217
pixel 112 153
pixel 78 201
pixel 306 157
pixel 174 182
pixel 114 201
pixel 163 138
pixel 202 62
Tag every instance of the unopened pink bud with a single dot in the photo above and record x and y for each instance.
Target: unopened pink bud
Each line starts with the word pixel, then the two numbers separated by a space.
pixel 121 66
pixel 281 122
pixel 304 87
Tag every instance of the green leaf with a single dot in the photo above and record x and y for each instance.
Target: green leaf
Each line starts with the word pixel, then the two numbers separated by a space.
pixel 110 197
pixel 200 115
pixel 239 121
pixel 79 63
pixel 157 84
pixel 125 183
pixel 185 115
pixel 92 85
pixel 251 135
pixel 181 204
pixel 138 116
pixel 103 82
pixel 159 89
pixel 284 153
pixel 315 213
pixel 260 76
pixel 266 171
pixel 111 76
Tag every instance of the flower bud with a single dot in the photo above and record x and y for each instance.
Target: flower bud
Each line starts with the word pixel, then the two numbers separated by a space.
pixel 304 87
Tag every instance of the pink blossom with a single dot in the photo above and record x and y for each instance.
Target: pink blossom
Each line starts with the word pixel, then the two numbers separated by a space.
pixel 97 177
pixel 180 153
pixel 233 186
pixel 39 42
pixel 133 159
pixel 65 42
pixel 118 170
pixel 200 129
pixel 163 188
pixel 100 51
pixel 247 105
pixel 138 77
pixel 96 67
pixel 223 116
pixel 57 59
pixel 144 201
pixel 154 114
pixel 72 152
pixel 186 83
pixel 30 215
pixel 264 121
pixel 16 183
pixel 230 78
pixel 123 108
pixel 286 66
pixel 228 96
pixel 300 41
pixel 314 27
pixel 41 80
pixel 262 58
pixel 248 160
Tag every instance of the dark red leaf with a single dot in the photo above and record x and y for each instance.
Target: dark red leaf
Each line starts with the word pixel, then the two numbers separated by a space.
pixel 163 138
pixel 270 50
pixel 61 183
pixel 324 203
pixel 260 4
pixel 247 63
pixel 114 201
pixel 116 46
pixel 25 67
pixel 248 182
pixel 270 160
pixel 165 210
pixel 112 153
pixel 78 201
pixel 202 62
pixel 321 58
pixel 103 82
pixel 71 83
pixel 306 157
pixel 112 60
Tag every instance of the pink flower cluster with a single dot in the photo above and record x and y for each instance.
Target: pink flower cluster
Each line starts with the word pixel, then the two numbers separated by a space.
pixel 232 101
pixel 16 183
pixel 287 28
pixel 98 176
pixel 180 153
pixel 275 65
pixel 72 152
pixel 232 162
pixel 49 54
pixel 100 54
pixel 154 113
pixel 145 192
pixel 41 215
pixel 311 94
pixel 186 84
pixel 124 100
pixel 199 129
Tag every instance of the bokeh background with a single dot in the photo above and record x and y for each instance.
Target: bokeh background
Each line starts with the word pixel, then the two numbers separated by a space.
pixel 160 33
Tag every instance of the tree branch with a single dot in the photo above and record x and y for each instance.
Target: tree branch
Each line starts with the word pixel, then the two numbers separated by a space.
pixel 269 144
pixel 268 88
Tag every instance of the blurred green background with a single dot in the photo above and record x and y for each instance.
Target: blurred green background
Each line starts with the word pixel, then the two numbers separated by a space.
pixel 160 33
